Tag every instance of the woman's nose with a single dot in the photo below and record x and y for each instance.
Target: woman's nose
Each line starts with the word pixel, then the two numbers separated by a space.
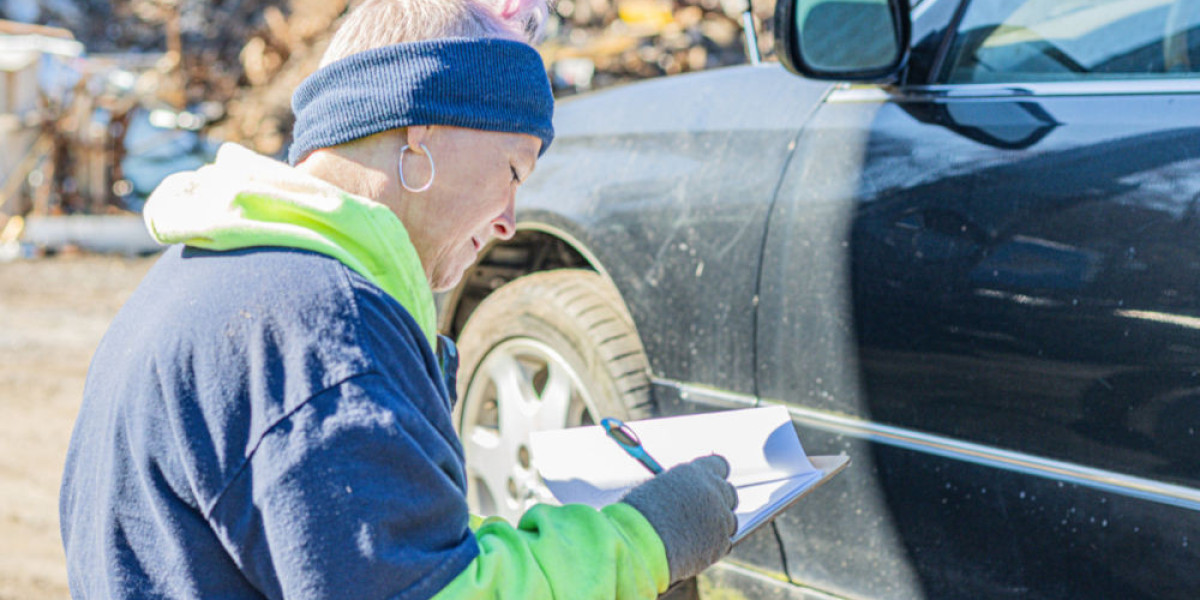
pixel 505 225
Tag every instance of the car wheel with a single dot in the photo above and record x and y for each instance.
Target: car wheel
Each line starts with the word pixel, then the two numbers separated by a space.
pixel 549 350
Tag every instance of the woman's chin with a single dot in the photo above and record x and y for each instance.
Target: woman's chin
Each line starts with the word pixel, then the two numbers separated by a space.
pixel 444 284
pixel 446 280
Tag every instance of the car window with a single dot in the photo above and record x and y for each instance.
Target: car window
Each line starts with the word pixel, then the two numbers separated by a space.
pixel 1002 41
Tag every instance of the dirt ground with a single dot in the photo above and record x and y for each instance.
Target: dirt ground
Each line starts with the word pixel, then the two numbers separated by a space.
pixel 53 312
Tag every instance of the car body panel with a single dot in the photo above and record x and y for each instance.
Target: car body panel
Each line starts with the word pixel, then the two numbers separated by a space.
pixel 1010 269
pixel 670 202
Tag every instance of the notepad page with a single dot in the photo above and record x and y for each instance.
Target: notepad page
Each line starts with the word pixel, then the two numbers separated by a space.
pixel 583 465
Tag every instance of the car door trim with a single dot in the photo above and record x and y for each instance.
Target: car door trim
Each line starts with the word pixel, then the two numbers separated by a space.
pixel 843 93
pixel 943 50
pixel 1108 87
pixel 1066 472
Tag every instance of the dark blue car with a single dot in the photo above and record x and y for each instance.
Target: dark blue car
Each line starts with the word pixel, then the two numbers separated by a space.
pixel 976 272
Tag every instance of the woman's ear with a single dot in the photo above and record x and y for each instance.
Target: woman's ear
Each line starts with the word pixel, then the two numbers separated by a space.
pixel 416 135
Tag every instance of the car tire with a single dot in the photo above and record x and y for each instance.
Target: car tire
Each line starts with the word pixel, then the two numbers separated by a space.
pixel 546 351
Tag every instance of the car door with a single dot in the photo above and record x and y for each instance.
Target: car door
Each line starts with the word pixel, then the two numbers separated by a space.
pixel 984 285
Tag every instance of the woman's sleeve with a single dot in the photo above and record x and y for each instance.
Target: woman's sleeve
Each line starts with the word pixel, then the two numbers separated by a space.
pixel 569 551
pixel 356 494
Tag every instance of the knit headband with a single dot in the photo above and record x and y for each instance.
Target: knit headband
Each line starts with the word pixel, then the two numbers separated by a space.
pixel 489 84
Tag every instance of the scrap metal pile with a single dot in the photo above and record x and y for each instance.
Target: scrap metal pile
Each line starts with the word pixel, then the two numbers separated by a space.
pixel 248 56
pixel 225 70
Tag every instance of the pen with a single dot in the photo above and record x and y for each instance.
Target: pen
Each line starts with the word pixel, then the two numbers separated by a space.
pixel 629 442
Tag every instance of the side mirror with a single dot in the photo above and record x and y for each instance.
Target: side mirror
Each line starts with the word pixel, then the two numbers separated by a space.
pixel 843 39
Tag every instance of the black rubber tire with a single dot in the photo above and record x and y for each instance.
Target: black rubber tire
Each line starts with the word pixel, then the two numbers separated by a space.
pixel 581 316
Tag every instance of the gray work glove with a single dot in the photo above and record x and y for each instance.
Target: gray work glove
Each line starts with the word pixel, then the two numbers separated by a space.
pixel 691 507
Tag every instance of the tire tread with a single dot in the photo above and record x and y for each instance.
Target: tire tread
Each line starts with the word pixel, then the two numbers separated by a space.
pixel 584 307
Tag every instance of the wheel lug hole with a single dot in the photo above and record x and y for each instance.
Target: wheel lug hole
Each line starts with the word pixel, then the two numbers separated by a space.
pixel 523 456
pixel 512 488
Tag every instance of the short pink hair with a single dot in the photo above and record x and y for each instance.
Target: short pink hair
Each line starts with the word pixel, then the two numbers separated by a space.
pixel 377 23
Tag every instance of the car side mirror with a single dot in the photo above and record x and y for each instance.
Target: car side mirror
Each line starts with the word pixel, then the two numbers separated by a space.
pixel 843 39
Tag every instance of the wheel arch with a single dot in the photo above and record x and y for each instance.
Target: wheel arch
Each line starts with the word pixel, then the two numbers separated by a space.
pixel 536 247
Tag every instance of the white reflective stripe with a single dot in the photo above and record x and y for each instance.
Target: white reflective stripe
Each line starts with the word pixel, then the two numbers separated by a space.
pixel 1108 481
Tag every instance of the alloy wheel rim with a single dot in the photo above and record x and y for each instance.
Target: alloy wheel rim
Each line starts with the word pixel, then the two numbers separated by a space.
pixel 521 386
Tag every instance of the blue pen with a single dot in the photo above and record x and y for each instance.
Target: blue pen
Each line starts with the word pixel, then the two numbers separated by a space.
pixel 629 442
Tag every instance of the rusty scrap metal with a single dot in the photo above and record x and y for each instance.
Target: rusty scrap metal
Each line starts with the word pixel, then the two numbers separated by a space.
pixel 235 64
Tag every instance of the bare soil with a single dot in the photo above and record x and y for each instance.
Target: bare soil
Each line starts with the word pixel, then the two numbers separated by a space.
pixel 53 312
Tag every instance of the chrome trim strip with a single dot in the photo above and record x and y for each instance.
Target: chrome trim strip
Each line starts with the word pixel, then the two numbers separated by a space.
pixel 1107 481
pixel 1122 87
pixel 844 93
pixel 707 396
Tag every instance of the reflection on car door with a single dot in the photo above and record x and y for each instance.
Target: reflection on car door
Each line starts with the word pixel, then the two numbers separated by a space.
pixel 989 295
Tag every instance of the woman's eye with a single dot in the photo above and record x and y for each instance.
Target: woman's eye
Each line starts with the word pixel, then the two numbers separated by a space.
pixel 516 177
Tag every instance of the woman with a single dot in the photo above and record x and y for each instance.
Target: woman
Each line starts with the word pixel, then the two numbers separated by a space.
pixel 267 416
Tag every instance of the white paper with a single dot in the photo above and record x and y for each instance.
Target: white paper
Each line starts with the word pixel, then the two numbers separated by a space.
pixel 768 465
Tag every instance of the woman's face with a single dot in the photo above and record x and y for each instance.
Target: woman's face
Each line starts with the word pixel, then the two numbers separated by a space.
pixel 471 199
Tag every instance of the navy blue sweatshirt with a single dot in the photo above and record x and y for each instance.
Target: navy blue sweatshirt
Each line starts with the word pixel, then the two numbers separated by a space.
pixel 261 412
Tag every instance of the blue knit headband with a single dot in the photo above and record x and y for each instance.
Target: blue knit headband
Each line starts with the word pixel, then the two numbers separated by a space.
pixel 488 84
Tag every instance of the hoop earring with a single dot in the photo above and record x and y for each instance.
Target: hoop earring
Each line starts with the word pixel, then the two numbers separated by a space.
pixel 432 170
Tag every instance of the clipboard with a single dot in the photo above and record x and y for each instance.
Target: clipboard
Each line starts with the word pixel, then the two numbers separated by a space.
pixel 828 466
pixel 768 465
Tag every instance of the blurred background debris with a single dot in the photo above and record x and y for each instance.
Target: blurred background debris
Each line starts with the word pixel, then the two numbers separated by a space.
pixel 101 99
